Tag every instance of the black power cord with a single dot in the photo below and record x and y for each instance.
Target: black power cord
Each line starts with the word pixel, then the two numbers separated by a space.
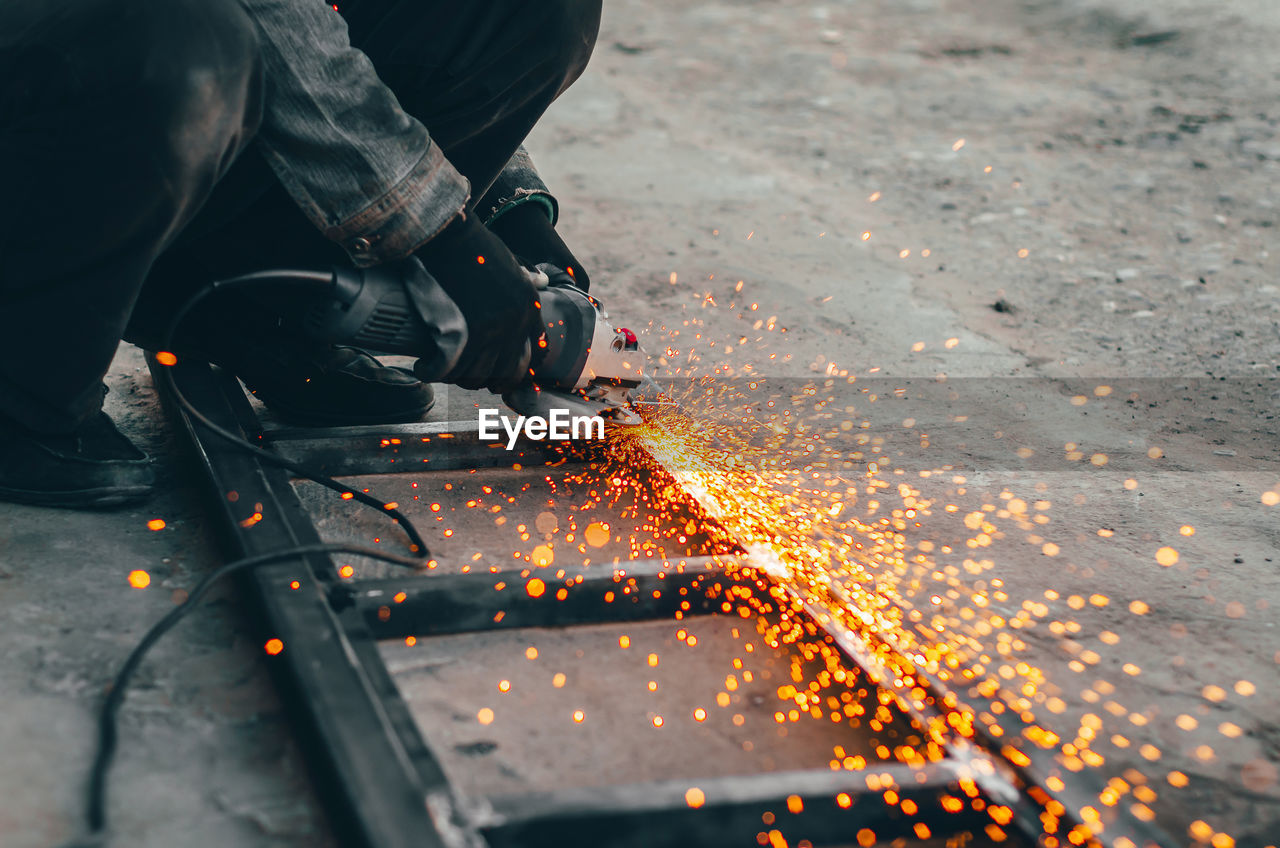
pixel 96 804
pixel 96 814
pixel 304 279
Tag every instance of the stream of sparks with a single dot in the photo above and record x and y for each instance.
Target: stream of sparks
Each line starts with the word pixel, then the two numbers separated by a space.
pixel 862 583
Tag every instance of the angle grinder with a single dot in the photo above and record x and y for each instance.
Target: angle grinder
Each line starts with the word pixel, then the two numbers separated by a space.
pixel 582 363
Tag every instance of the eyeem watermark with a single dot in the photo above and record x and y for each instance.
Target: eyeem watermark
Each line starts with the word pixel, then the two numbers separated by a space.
pixel 560 427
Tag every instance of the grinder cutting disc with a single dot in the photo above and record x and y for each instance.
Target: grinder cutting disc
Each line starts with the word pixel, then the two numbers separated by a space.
pixel 530 400
pixel 584 364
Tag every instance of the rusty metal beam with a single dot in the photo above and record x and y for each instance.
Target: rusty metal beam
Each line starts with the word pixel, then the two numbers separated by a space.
pixel 440 604
pixel 823 807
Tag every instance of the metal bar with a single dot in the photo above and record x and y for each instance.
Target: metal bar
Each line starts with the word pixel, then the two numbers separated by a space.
pixel 436 605
pixel 824 807
pixel 362 431
pixel 1014 772
pixel 381 786
pixel 428 446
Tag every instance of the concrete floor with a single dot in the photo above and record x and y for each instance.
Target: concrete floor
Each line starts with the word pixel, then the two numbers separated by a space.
pixel 534 744
pixel 1133 150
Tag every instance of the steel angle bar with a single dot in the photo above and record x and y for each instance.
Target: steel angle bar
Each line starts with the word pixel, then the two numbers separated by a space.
pixel 1006 764
pixel 1011 767
pixel 381 785
pixel 993 774
pixel 425 446
pixel 440 604
pixel 821 806
pixel 1008 768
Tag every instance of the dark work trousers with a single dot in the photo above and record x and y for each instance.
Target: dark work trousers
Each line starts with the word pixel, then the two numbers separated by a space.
pixel 125 185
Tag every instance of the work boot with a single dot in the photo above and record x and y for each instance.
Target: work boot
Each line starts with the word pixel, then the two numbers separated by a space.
pixel 96 466
pixel 303 381
pixel 313 384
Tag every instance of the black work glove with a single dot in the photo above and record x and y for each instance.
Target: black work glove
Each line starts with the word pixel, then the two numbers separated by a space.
pixel 527 230
pixel 496 297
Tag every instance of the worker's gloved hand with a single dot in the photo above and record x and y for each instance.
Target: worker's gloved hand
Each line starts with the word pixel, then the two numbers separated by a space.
pixel 495 295
pixel 527 230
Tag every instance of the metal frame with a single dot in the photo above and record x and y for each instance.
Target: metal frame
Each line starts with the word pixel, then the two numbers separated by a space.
pixel 380 782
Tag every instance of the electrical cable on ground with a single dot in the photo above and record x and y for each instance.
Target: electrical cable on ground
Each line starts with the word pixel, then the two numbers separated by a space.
pixel 303 279
pixel 96 811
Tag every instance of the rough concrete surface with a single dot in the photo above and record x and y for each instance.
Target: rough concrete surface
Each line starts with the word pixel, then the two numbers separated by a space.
pixel 1122 237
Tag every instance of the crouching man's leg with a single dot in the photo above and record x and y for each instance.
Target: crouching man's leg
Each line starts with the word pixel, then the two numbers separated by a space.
pixel 478 75
pixel 117 118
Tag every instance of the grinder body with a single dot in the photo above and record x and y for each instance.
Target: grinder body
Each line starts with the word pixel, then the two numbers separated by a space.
pixel 396 309
pixel 581 363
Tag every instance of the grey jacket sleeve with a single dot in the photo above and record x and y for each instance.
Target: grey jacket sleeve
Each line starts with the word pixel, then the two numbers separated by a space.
pixel 518 183
pixel 365 172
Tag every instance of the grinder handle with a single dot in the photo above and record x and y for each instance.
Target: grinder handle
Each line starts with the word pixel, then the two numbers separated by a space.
pixel 391 309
